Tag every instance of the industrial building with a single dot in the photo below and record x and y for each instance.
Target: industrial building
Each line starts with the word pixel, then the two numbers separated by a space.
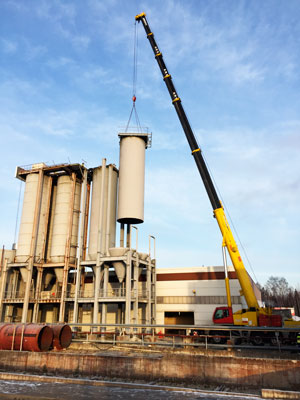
pixel 188 296
pixel 68 267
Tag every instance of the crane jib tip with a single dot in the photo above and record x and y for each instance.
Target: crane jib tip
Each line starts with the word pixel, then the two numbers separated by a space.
pixel 139 16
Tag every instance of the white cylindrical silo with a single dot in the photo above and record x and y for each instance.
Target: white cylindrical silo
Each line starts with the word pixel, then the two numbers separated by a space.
pixel 105 225
pixel 27 219
pixel 43 220
pixel 61 220
pixel 131 178
pixel 50 222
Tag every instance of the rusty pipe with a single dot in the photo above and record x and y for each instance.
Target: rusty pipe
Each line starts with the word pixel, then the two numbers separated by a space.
pixel 26 337
pixel 62 336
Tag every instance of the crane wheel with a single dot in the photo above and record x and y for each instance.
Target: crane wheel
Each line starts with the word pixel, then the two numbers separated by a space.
pixel 218 338
pixel 257 340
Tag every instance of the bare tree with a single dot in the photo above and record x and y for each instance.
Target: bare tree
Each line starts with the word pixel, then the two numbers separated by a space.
pixel 277 292
pixel 277 286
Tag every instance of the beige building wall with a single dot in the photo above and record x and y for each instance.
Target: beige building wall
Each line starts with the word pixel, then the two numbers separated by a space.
pixel 199 290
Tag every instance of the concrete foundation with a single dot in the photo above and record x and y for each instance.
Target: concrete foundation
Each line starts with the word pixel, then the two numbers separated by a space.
pixel 238 372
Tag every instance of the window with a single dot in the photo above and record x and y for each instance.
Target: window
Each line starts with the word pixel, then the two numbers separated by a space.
pixel 220 314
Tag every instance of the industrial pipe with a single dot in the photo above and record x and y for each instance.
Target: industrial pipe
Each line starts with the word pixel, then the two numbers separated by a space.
pixel 62 336
pixel 27 337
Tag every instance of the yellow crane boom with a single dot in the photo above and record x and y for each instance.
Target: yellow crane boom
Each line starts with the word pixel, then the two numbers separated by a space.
pixel 218 210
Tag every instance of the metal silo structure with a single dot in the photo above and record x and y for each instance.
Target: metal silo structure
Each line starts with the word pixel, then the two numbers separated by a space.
pixel 65 219
pixel 28 221
pixel 102 233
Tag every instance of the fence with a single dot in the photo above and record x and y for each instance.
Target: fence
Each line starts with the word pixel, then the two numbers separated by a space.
pixel 187 336
pixel 17 295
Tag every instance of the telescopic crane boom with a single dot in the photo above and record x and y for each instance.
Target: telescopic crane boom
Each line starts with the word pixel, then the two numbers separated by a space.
pixel 228 239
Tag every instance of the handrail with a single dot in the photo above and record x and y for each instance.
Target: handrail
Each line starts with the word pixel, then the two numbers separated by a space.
pixel 184 336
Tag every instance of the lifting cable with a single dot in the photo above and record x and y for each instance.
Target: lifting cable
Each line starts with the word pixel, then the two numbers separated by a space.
pixel 134 81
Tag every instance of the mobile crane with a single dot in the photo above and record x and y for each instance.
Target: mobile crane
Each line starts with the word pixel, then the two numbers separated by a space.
pixel 254 315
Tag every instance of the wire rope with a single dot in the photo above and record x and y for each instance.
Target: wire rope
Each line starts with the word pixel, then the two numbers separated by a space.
pixel 134 83
pixel 135 53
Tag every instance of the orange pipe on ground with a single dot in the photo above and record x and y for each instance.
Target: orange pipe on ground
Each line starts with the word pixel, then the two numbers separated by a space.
pixel 26 337
pixel 62 336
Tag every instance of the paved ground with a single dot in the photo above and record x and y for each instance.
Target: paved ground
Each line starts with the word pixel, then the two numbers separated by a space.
pixel 41 390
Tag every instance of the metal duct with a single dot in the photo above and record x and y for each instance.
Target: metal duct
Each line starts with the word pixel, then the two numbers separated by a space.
pixel 62 336
pixel 28 337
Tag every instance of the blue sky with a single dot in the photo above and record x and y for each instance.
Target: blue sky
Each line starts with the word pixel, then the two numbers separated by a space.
pixel 65 91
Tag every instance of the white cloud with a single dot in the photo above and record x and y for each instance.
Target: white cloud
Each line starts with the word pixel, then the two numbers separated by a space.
pixel 60 62
pixel 14 87
pixel 14 4
pixel 56 10
pixel 99 7
pixel 63 16
pixel 32 51
pixel 234 42
pixel 9 46
pixel 80 42
pixel 23 47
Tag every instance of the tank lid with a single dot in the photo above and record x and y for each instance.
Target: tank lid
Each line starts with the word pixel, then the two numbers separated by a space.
pixel 146 136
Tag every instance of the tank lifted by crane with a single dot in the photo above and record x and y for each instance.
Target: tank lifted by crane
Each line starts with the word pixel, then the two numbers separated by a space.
pixel 132 177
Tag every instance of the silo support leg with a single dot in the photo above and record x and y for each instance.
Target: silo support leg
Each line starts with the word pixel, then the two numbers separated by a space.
pixel 37 296
pixel 3 286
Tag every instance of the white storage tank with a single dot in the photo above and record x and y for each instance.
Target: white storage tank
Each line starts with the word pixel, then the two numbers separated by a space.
pixel 50 222
pixel 105 224
pixel 27 219
pixel 61 220
pixel 132 178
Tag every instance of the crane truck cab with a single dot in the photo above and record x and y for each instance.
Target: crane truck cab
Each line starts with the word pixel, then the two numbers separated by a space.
pixel 223 316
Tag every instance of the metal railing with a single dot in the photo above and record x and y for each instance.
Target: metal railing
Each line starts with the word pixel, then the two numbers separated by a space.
pixel 143 294
pixel 109 293
pixel 118 292
pixel 84 294
pixel 50 295
pixel 183 336
pixel 17 295
pixel 20 295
